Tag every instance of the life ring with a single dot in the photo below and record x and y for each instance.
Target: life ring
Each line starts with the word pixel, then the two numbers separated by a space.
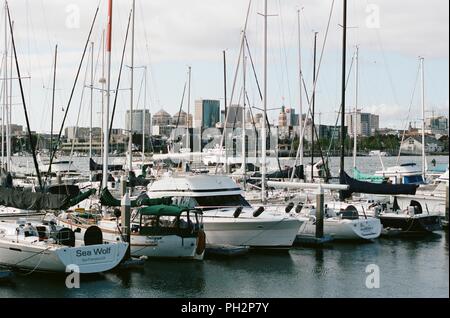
pixel 201 242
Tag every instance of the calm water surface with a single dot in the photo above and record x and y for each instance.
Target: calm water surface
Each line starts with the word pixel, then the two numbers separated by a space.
pixel 408 268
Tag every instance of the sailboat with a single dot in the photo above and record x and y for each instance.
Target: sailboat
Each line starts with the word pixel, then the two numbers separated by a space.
pixel 44 247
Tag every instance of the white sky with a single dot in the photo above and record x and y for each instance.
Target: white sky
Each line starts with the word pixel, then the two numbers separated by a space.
pixel 173 34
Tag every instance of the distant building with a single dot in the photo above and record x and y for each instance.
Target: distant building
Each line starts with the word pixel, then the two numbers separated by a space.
pixel 181 119
pixel 207 113
pixel 437 125
pixel 161 118
pixel 235 116
pixel 282 118
pixel 413 145
pixel 138 118
pixel 367 124
pixel 323 132
pixel 292 119
pixel 82 133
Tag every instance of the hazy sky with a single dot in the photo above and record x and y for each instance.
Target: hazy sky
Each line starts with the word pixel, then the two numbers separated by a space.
pixel 174 34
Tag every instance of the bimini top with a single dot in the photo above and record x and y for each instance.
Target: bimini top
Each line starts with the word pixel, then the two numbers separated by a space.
pixel 163 210
pixel 194 186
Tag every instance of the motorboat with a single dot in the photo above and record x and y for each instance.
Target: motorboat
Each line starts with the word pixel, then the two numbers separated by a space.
pixel 340 224
pixel 227 217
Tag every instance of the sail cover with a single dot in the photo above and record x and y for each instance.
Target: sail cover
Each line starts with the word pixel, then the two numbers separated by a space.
pixel 375 188
pixel 26 200
pixel 93 166
pixel 34 201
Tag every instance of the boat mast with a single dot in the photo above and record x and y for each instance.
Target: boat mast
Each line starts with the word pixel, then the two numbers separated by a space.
pixel 53 104
pixel 143 114
pixel 422 70
pixel 103 82
pixel 108 87
pixel 130 118
pixel 263 128
pixel 344 67
pixel 300 124
pixel 92 100
pixel 5 122
pixel 188 137
pixel 313 106
pixel 244 158
pixel 4 89
pixel 355 118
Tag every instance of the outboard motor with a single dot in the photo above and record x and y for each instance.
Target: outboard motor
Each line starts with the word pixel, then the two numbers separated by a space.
pixel 237 212
pixel 289 207
pixel 93 236
pixel 258 211
pixel 299 208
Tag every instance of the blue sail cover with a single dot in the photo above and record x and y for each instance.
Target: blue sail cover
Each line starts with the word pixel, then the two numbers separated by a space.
pixel 375 188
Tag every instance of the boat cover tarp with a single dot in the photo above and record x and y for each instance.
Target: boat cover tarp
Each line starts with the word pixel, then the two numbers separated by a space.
pixel 357 186
pixel 93 166
pixel 81 197
pixel 6 179
pixel 34 201
pixel 283 174
pixel 358 175
pixel 71 190
pixel 107 199
pixel 163 210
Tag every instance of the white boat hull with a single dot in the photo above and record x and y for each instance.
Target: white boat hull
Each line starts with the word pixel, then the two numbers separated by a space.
pixel 341 229
pixel 87 259
pixel 253 232
pixel 161 246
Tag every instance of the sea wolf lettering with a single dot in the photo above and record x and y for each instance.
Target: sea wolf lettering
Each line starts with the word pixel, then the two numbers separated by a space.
pixel 96 251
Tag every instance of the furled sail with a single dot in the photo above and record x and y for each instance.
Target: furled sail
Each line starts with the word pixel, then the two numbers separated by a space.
pixel 375 188
pixel 93 166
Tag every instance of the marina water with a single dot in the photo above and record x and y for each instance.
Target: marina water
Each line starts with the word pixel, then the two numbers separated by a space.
pixel 413 267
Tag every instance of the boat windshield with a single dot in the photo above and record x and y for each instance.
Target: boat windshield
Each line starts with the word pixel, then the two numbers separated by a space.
pixel 212 202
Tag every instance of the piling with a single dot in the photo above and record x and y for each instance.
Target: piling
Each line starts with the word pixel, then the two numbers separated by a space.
pixel 58 178
pixel 446 205
pixel 319 213
pixel 125 209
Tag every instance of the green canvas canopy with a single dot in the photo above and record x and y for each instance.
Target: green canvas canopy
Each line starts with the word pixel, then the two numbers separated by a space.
pixel 358 175
pixel 163 210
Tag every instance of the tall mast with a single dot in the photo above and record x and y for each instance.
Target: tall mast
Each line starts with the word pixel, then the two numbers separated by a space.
pixel 313 107
pixel 130 118
pixel 244 158
pixel 225 81
pixel 103 82
pixel 53 103
pixel 355 118
pixel 300 90
pixel 344 67
pixel 108 87
pixel 143 114
pixel 92 100
pixel 263 128
pixel 188 137
pixel 422 70
pixel 5 98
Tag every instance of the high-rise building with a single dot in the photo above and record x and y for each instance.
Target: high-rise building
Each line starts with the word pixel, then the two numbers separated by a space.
pixel 138 121
pixel 235 116
pixel 292 119
pixel 437 125
pixel 207 113
pixel 367 124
